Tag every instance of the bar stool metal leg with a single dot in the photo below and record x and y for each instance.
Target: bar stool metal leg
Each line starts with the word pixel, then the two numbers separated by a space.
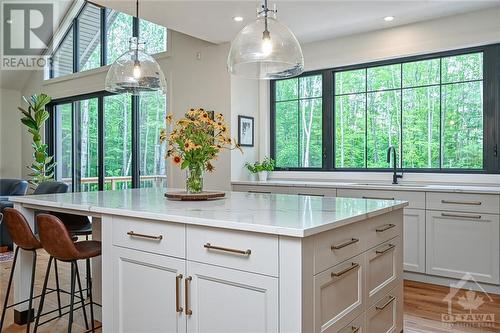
pixel 72 296
pixel 77 271
pixel 30 303
pixel 9 284
pixel 91 300
pixel 57 287
pixel 44 290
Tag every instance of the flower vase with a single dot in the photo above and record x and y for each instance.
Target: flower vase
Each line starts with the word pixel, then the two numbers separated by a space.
pixel 262 176
pixel 194 179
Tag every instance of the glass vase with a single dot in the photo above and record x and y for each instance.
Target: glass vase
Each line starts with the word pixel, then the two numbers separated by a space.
pixel 194 179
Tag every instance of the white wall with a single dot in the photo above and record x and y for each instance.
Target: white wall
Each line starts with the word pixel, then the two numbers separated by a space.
pixel 10 134
pixel 454 32
pixel 192 82
pixel 244 102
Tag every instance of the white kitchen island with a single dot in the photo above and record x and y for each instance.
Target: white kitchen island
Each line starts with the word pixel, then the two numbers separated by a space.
pixel 251 262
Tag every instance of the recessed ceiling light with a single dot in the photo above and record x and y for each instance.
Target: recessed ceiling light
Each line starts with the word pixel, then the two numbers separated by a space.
pixel 389 18
pixel 238 18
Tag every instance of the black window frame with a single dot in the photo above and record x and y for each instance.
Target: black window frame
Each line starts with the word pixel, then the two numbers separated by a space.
pixel 51 130
pixel 491 112
pixel 74 26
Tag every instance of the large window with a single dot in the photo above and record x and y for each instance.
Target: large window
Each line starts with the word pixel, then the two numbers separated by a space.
pixel 97 36
pixel 94 146
pixel 298 111
pixel 431 109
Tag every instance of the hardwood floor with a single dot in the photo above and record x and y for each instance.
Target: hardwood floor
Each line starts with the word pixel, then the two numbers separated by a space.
pixel 424 305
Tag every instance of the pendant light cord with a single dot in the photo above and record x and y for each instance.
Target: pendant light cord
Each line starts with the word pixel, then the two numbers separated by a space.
pixel 137 9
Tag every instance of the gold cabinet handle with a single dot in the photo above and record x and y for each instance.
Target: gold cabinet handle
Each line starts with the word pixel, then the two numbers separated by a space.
pixel 134 234
pixel 186 295
pixel 209 246
pixel 377 198
pixel 341 246
pixel 178 279
pixel 385 227
pixel 354 329
pixel 391 299
pixel 311 195
pixel 345 271
pixel 456 202
pixel 391 246
pixel 476 217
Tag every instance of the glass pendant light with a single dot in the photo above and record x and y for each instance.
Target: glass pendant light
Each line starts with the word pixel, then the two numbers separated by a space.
pixel 265 49
pixel 135 71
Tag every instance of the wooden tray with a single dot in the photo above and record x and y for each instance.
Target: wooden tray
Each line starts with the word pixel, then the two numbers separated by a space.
pixel 184 196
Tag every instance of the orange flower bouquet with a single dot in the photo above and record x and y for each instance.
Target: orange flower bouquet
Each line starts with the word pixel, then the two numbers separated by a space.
pixel 194 141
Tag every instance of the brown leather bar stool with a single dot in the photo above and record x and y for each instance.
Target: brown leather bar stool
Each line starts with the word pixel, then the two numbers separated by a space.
pixel 23 237
pixel 57 241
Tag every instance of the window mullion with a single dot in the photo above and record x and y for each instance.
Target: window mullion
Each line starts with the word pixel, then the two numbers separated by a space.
pixel 76 55
pixel 103 37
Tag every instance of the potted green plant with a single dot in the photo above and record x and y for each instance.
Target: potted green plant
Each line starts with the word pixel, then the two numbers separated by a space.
pixel 262 169
pixel 42 168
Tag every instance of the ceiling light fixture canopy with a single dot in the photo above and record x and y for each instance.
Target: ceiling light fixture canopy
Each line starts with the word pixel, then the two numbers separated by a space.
pixel 135 71
pixel 265 49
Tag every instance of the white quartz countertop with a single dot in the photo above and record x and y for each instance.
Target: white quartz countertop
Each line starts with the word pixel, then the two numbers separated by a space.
pixel 420 187
pixel 279 214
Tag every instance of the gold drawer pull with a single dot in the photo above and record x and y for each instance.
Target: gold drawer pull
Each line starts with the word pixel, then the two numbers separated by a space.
pixel 347 270
pixel 385 227
pixel 134 234
pixel 225 249
pixel 476 217
pixel 186 295
pixel 391 246
pixel 178 279
pixel 377 198
pixel 455 202
pixel 341 246
pixel 311 195
pixel 259 192
pixel 391 299
pixel 354 329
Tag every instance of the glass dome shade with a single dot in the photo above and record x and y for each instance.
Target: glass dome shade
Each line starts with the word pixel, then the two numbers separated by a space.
pixel 257 53
pixel 135 71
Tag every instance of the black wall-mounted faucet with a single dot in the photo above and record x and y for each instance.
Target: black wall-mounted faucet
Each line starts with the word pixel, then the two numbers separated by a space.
pixel 395 175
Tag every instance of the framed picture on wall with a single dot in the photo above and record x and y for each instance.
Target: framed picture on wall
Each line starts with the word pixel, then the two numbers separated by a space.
pixel 245 131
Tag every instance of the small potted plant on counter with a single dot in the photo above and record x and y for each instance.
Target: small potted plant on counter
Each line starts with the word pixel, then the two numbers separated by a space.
pixel 261 168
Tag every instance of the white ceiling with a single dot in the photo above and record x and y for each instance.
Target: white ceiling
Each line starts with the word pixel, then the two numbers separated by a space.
pixel 309 20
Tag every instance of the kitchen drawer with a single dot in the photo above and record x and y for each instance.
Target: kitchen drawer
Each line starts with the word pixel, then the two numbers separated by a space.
pixel 337 245
pixel 338 295
pixel 461 202
pixel 382 228
pixel 314 191
pixel 463 243
pixel 383 269
pixel 386 316
pixel 355 326
pixel 415 199
pixel 261 189
pixel 245 251
pixel 150 236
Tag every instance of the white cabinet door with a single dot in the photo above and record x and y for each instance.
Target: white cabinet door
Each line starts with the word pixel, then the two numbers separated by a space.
pixel 221 300
pixel 147 288
pixel 414 240
pixel 461 243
